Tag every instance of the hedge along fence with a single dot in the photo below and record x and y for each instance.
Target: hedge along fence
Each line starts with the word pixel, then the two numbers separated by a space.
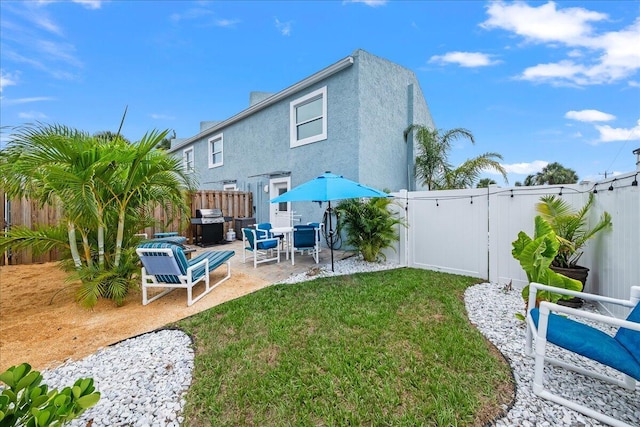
pixel 235 204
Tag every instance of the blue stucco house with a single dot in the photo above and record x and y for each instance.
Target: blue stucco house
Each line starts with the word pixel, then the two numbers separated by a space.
pixel 347 118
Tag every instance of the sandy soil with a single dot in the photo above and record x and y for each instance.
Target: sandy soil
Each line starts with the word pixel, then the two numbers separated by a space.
pixel 45 334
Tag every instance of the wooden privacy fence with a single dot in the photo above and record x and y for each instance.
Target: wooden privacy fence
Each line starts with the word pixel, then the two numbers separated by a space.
pixel 235 204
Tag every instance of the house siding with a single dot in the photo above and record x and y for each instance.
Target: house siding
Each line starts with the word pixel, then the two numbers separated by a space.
pixel 390 100
pixel 367 112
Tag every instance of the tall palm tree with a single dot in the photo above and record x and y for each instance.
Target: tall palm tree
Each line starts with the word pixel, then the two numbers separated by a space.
pixel 101 183
pixel 432 163
pixel 552 174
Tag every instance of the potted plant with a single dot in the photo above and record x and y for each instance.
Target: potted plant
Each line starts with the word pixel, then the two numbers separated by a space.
pixel 572 231
pixel 535 256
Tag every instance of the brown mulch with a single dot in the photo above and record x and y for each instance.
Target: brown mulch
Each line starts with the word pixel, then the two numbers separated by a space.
pixel 45 333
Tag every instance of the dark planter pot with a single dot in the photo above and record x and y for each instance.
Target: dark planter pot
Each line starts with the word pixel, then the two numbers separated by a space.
pixel 580 274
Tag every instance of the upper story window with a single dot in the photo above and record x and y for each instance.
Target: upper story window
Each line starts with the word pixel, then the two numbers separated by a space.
pixel 308 118
pixel 188 160
pixel 215 151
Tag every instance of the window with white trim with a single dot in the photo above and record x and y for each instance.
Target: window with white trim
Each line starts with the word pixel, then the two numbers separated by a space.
pixel 187 159
pixel 229 187
pixel 215 151
pixel 308 118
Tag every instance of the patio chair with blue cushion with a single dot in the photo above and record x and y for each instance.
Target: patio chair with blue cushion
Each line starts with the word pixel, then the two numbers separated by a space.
pixel 620 352
pixel 306 238
pixel 267 227
pixel 164 265
pixel 260 246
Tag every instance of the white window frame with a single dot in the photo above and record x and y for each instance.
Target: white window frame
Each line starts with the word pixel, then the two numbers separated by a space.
pixel 293 126
pixel 185 154
pixel 210 143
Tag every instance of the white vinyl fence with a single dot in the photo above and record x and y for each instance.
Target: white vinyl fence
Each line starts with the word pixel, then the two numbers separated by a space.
pixel 470 232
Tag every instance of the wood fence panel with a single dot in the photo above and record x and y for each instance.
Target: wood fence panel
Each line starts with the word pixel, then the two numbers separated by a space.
pixel 234 204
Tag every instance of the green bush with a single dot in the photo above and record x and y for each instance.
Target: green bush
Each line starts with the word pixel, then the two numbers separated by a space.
pixel 27 402
pixel 370 226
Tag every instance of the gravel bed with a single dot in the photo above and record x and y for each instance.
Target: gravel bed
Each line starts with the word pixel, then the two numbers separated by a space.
pixel 492 309
pixel 143 380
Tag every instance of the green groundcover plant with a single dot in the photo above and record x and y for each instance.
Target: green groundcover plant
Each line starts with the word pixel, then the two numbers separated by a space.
pixel 27 402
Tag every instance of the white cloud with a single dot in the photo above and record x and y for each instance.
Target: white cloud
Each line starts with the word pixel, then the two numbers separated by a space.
pixel 32 115
pixel 18 101
pixel 370 3
pixel 544 23
pixel 596 58
pixel 89 4
pixel 610 134
pixel 191 14
pixel 283 27
pixel 227 23
pixel 464 59
pixel 589 116
pixel 7 79
pixel 633 83
pixel 161 116
pixel 525 168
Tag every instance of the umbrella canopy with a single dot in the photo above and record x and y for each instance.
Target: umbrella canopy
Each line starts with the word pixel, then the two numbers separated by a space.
pixel 325 188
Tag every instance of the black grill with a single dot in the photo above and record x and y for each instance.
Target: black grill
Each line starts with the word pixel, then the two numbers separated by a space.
pixel 208 227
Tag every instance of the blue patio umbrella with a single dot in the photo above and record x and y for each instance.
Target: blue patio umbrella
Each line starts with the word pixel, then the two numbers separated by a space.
pixel 325 188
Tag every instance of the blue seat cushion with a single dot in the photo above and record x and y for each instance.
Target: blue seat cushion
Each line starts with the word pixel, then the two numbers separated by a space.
pixel 589 342
pixel 216 258
pixel 271 244
pixel 304 236
pixel 178 256
pixel 631 339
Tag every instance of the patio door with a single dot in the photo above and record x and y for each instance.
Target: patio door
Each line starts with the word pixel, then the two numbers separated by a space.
pixel 279 213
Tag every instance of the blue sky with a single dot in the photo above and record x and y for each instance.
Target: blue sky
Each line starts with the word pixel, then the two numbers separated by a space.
pixel 537 82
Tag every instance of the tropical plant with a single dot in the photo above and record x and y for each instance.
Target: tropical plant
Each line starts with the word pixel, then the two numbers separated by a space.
pixel 485 183
pixel 432 164
pixel 102 184
pixel 552 174
pixel 370 226
pixel 28 402
pixel 535 256
pixel 571 227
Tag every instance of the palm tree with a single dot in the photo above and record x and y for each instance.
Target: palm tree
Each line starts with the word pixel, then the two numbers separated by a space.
pixel 485 183
pixel 101 183
pixel 552 174
pixel 432 164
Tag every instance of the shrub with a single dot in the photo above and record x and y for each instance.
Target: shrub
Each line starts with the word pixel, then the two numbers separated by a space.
pixel 27 402
pixel 370 226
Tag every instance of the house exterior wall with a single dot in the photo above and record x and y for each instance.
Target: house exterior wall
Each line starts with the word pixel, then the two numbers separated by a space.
pixel 368 108
pixel 390 99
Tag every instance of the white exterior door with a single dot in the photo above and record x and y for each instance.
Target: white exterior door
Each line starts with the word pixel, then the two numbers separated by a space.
pixel 279 213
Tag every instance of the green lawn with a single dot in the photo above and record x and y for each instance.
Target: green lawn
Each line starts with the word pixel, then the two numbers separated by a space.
pixel 387 348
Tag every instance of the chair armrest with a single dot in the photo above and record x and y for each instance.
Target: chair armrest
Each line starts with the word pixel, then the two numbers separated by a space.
pixel 190 269
pixel 546 307
pixel 534 287
pixel 268 239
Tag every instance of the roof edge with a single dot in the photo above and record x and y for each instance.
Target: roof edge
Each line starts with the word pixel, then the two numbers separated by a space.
pixel 314 78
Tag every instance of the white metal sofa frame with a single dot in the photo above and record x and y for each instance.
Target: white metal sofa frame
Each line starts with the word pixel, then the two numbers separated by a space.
pixel 541 332
pixel 165 265
pixel 259 247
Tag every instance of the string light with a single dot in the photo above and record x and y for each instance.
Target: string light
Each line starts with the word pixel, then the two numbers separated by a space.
pixel 437 204
pixel 560 194
pixel 635 181
pixel 611 186
pixel 471 199
pixel 595 189
pixel 511 193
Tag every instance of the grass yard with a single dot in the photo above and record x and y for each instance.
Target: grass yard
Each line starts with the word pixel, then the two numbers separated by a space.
pixel 384 348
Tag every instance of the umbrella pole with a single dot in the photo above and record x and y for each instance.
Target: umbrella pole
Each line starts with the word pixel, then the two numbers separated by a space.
pixel 331 235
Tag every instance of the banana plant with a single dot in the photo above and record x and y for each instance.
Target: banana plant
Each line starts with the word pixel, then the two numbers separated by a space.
pixel 536 255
